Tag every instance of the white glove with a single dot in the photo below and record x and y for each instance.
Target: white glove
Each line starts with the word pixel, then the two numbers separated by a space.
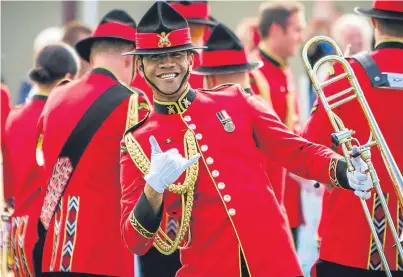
pixel 166 167
pixel 359 181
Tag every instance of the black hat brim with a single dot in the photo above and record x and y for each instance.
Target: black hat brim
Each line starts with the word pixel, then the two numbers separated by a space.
pixel 162 50
pixel 375 13
pixel 227 69
pixel 200 21
pixel 83 47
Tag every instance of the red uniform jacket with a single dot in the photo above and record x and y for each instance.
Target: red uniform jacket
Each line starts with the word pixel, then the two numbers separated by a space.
pixel 26 177
pixel 283 99
pixel 341 243
pixel 195 80
pixel 84 235
pixel 232 189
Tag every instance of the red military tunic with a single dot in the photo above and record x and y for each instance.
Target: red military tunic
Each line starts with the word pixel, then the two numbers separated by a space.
pixel 233 198
pixel 83 235
pixel 283 99
pixel 347 239
pixel 26 178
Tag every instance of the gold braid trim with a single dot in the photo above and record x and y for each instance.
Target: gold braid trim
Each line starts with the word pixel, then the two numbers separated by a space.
pixel 332 172
pixel 186 190
pixel 132 111
pixel 139 228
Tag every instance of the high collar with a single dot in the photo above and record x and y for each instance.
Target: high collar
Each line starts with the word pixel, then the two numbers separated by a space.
pixel 39 96
pixel 269 56
pixel 390 43
pixel 177 107
pixel 104 71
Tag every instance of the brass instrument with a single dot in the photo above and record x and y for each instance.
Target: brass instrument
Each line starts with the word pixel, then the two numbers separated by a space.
pixel 344 136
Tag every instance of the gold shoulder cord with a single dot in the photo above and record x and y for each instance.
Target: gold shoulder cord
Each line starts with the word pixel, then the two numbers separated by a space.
pixel 186 190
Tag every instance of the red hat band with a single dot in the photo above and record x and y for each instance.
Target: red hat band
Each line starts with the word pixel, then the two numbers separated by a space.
pixel 223 57
pixel 391 6
pixel 196 10
pixel 115 29
pixel 163 40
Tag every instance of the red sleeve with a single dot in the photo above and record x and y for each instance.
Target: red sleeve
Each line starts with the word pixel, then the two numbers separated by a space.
pixel 299 156
pixel 138 222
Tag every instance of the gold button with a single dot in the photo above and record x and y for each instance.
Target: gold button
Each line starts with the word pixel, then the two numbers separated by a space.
pixel 209 160
pixel 231 212
pixel 215 173
pixel 204 148
pixel 227 198
pixel 221 185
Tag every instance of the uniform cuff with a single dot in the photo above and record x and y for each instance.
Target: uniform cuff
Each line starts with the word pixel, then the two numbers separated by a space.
pixel 143 218
pixel 338 173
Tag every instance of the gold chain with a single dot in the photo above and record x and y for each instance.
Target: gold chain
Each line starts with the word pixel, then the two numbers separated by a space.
pixel 186 190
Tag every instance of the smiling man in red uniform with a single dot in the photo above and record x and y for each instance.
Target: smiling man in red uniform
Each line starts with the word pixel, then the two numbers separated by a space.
pixel 352 252
pixel 281 27
pixel 82 125
pixel 197 14
pixel 225 190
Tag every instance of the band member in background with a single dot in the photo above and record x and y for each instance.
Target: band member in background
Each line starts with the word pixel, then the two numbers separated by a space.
pixel 73 32
pixel 353 34
pixel 354 253
pixel 82 124
pixel 225 188
pixel 225 61
pixel 54 65
pixel 197 13
pixel 281 26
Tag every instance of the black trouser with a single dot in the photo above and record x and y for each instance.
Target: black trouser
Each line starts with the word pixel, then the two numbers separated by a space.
pixel 328 269
pixel 155 264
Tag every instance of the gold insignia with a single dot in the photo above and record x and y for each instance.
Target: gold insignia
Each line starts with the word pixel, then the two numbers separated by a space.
pixel 168 140
pixel 186 103
pixel 164 40
pixel 171 109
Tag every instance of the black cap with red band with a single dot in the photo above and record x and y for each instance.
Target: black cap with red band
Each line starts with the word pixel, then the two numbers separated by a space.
pixel 195 12
pixel 115 25
pixel 225 54
pixel 383 10
pixel 162 30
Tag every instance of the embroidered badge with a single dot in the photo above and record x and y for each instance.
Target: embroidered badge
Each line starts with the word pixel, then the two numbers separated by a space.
pixel 226 121
pixel 164 40
pixel 171 110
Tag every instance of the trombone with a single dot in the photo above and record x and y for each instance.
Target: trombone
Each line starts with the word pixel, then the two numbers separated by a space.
pixel 344 136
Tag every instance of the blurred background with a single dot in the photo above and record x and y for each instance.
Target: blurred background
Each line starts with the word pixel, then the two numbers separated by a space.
pixel 23 21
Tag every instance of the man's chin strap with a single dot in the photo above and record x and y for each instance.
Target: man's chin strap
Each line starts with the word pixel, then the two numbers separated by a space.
pixel 156 88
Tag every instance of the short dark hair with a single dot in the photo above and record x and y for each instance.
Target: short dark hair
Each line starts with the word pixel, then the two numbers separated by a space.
pixel 390 27
pixel 53 62
pixel 72 31
pixel 276 13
